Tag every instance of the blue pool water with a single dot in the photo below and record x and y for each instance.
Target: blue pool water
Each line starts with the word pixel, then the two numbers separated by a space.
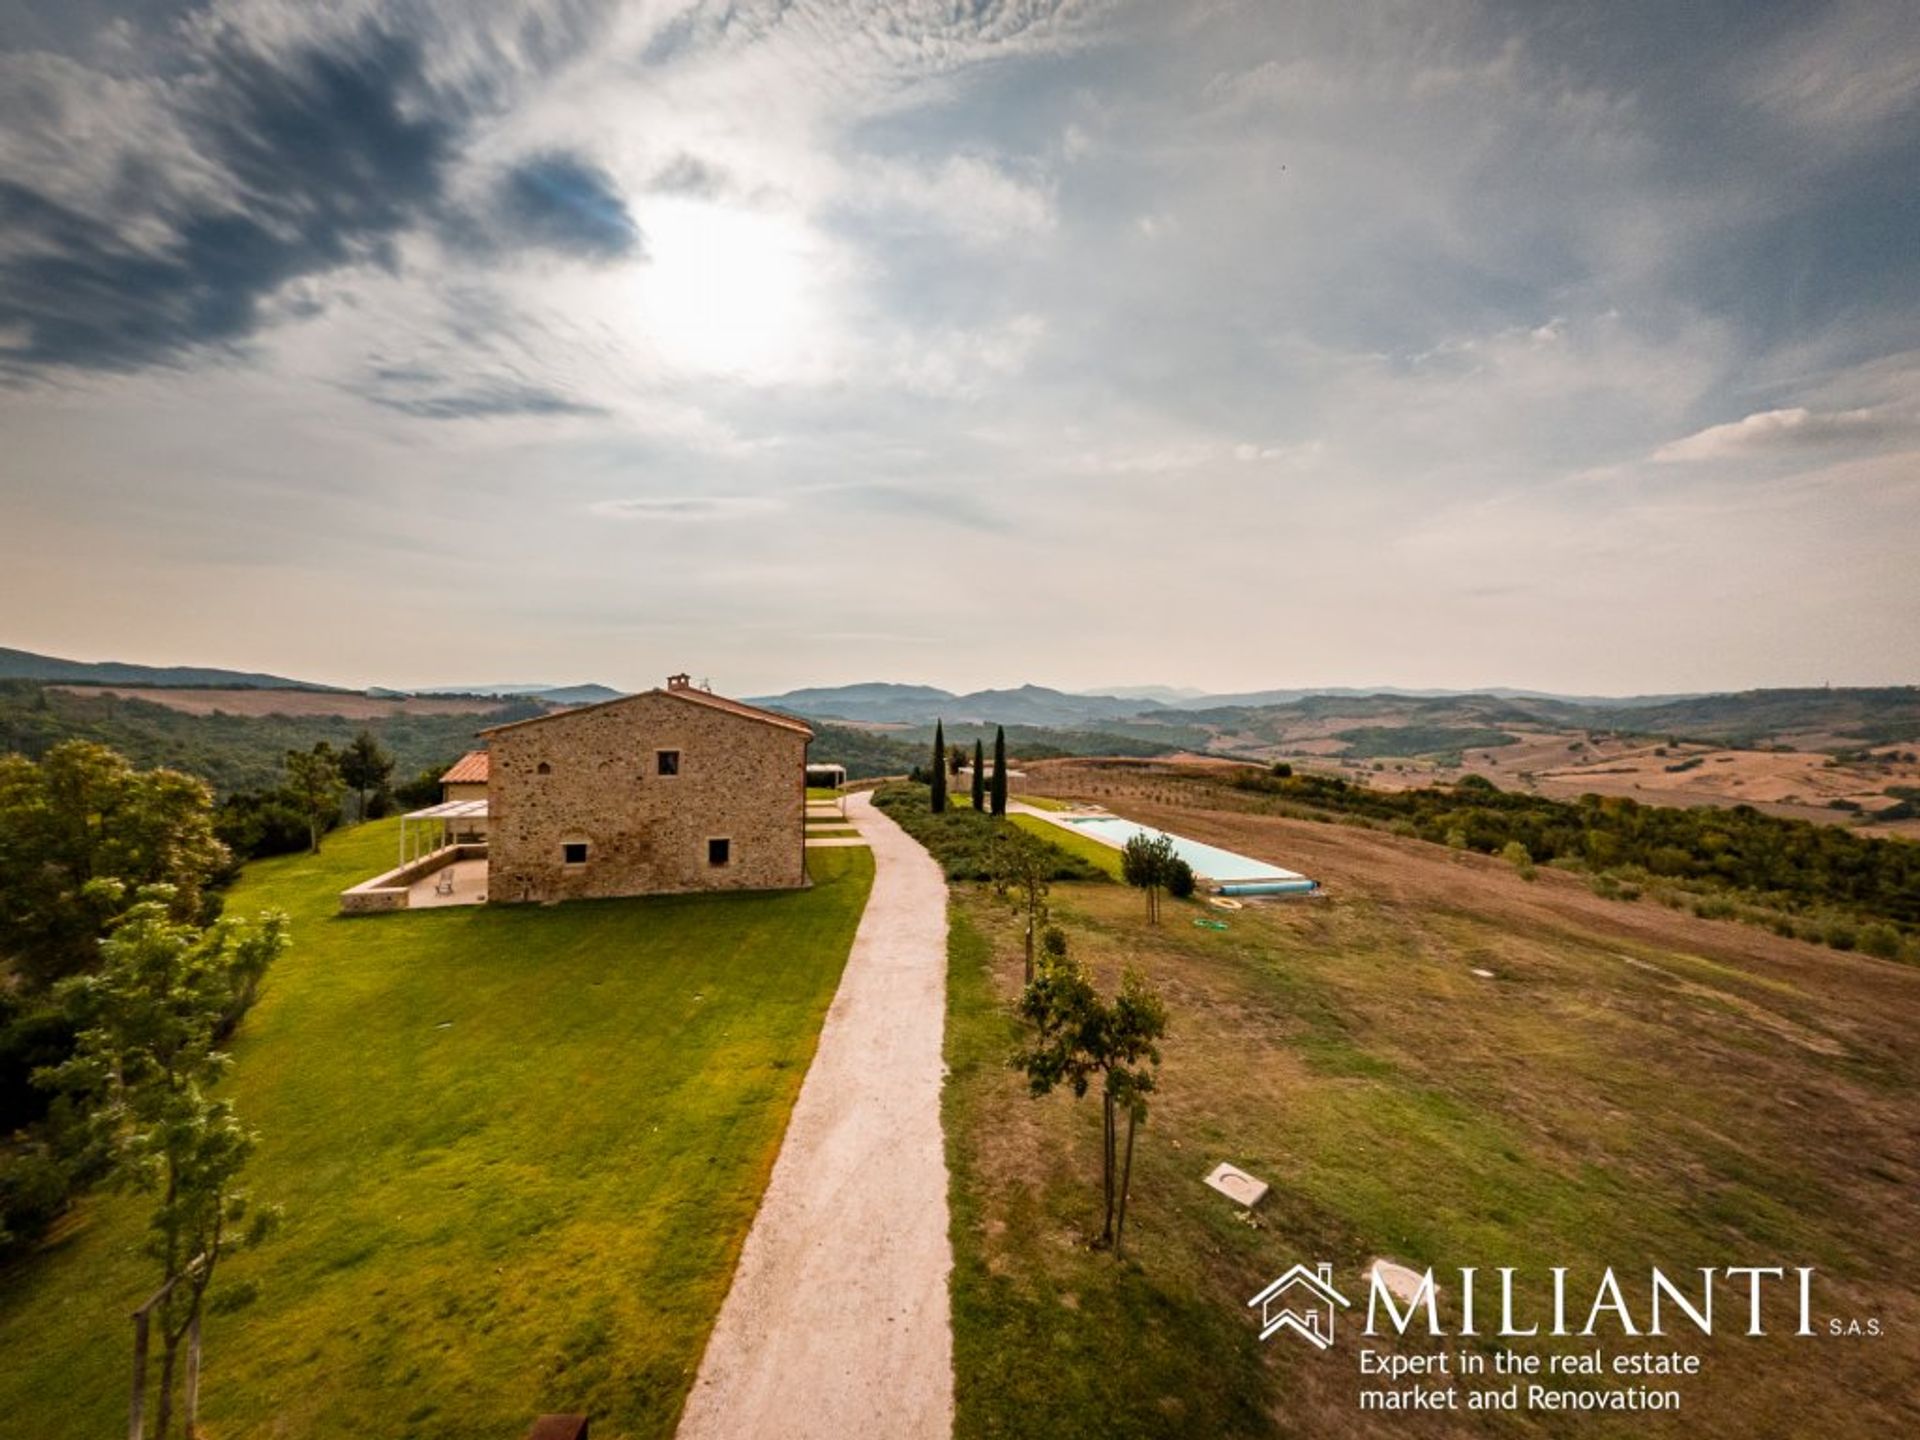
pixel 1231 873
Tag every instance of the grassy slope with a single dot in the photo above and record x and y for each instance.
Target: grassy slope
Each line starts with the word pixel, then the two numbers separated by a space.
pixel 1687 1095
pixel 1102 857
pixel 518 1150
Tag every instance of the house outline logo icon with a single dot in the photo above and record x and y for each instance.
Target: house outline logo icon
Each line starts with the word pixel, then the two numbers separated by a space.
pixel 1302 1301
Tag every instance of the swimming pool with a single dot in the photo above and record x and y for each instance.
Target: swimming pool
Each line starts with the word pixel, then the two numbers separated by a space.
pixel 1231 873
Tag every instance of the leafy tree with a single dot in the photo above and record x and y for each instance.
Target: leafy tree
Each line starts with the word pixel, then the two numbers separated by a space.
pixel 979 778
pixel 366 769
pixel 83 814
pixel 1180 880
pixel 258 823
pixel 1000 770
pixel 956 759
pixel 1021 866
pixel 316 789
pixel 1518 856
pixel 1145 863
pixel 938 774
pixel 422 789
pixel 146 1064
pixel 1078 1036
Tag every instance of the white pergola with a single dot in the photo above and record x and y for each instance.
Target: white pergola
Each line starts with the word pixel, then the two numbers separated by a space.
pixel 439 818
pixel 832 777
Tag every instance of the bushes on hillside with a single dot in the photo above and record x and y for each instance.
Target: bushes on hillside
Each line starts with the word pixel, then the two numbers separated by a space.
pixel 962 839
pixel 1793 866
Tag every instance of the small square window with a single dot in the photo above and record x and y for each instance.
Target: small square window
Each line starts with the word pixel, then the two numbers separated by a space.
pixel 667 762
pixel 719 852
pixel 574 852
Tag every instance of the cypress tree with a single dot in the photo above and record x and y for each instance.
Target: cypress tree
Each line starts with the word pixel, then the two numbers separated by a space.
pixel 979 779
pixel 999 769
pixel 939 779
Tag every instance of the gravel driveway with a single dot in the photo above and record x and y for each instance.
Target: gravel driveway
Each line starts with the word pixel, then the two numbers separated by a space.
pixel 837 1324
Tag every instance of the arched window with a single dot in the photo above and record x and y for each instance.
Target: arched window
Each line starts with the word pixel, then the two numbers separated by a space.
pixel 543 768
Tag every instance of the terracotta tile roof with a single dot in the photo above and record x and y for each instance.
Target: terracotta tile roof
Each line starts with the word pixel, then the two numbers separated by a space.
pixel 469 769
pixel 677 692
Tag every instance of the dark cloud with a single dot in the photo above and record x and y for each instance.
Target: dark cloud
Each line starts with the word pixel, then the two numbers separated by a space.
pixel 479 401
pixel 321 158
pixel 562 203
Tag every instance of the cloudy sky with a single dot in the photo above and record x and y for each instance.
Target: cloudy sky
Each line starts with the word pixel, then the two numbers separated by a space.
pixel 1222 343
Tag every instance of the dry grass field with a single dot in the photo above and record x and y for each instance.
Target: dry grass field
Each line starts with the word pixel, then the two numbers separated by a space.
pixel 1627 1085
pixel 1563 764
pixel 245 701
pixel 1799 759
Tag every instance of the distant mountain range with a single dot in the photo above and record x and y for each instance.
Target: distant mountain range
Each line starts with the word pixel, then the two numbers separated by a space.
pixel 883 703
pixel 24 665
pixel 886 703
pixel 1166 714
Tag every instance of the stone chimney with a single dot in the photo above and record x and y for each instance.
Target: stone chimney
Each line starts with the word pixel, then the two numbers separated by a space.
pixel 679 682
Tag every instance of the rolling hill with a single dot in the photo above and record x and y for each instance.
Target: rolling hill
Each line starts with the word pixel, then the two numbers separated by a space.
pixel 25 665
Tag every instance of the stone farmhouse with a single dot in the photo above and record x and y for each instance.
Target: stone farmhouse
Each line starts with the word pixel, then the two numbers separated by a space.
pixel 665 791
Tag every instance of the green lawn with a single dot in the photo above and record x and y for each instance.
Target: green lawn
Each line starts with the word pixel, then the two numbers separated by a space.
pixel 1102 857
pixel 518 1150
pixel 1043 802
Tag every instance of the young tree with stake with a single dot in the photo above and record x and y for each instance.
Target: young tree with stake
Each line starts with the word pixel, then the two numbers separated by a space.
pixel 1022 866
pixel 145 1064
pixel 1077 1036
pixel 1146 862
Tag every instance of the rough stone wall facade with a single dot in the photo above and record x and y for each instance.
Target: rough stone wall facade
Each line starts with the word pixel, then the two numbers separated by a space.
pixel 739 779
pixel 464 790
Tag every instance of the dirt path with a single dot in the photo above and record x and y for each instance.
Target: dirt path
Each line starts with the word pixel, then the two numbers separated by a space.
pixel 837 1322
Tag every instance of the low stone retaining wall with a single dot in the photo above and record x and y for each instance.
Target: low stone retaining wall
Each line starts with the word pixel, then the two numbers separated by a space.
pixel 389 891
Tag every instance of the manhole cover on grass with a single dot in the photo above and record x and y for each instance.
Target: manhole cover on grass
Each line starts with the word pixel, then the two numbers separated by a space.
pixel 1403 1284
pixel 1237 1185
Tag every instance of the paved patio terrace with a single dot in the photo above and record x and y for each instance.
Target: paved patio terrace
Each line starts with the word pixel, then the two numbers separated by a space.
pixel 466 882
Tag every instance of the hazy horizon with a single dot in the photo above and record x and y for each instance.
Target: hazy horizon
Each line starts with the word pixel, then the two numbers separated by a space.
pixel 1554 347
pixel 744 687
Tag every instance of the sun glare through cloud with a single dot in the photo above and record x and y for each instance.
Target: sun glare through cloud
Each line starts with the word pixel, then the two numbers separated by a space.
pixel 727 291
